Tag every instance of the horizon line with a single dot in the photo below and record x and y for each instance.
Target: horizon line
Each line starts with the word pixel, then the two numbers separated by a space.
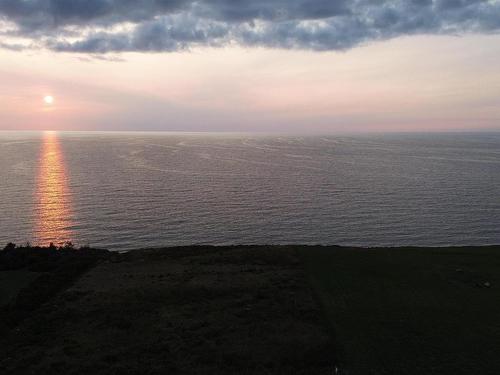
pixel 291 132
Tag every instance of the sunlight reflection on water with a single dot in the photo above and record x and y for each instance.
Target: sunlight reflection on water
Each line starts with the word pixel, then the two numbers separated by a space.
pixel 53 212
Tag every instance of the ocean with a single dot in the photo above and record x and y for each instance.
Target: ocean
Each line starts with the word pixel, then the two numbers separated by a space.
pixel 123 191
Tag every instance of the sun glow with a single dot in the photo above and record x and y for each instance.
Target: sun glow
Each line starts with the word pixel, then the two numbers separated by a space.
pixel 48 100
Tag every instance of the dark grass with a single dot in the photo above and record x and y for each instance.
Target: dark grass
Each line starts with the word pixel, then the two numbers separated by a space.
pixel 412 310
pixel 34 275
pixel 12 282
pixel 203 310
pixel 251 310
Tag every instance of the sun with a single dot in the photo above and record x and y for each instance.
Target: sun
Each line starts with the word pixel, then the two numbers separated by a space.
pixel 48 100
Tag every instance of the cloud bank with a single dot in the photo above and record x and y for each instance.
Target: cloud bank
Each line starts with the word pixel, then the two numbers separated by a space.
pixel 102 26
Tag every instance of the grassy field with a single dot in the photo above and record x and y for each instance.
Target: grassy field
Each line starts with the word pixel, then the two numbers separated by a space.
pixel 251 310
pixel 411 311
pixel 12 282
pixel 242 310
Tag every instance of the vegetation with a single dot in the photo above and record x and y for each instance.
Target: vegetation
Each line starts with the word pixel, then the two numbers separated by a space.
pixel 413 310
pixel 45 271
pixel 251 310
pixel 197 310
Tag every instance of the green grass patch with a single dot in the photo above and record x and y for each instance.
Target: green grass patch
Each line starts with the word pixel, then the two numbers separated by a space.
pixel 411 311
pixel 12 282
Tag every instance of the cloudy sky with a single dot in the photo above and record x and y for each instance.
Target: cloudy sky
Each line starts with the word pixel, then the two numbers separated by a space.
pixel 241 65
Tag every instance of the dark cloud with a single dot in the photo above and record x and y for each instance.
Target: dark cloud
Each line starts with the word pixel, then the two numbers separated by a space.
pixel 12 46
pixel 270 10
pixel 36 15
pixel 97 26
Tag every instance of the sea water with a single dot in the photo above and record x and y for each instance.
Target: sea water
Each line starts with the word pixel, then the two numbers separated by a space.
pixel 132 190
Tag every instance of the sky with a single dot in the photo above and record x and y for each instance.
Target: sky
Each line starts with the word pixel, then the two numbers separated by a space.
pixel 315 66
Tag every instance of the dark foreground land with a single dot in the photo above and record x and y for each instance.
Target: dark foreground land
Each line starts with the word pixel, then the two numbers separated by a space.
pixel 250 310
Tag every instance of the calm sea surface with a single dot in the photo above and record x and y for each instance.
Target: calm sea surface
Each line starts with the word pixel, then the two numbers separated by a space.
pixel 126 190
